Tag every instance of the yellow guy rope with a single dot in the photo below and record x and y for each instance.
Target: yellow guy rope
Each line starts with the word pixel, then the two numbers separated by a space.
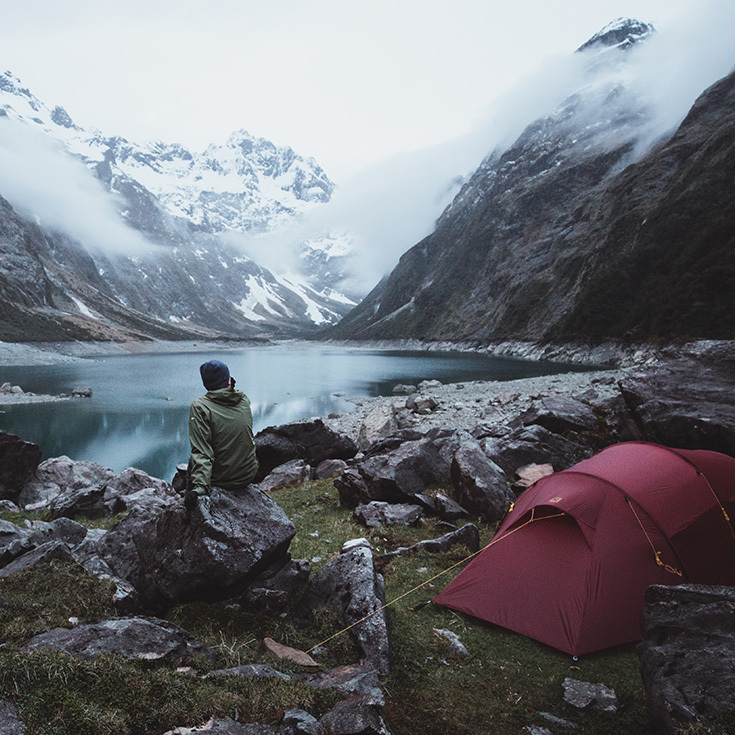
pixel 656 554
pixel 419 586
pixel 719 502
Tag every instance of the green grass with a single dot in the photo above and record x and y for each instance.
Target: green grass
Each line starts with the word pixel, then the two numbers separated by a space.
pixel 502 688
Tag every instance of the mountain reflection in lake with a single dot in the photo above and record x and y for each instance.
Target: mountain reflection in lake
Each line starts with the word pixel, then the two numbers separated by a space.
pixel 138 413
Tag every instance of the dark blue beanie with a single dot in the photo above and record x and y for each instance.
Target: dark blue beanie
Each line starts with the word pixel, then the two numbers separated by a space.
pixel 215 374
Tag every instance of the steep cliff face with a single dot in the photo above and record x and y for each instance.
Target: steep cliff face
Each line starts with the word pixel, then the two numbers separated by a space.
pixel 569 233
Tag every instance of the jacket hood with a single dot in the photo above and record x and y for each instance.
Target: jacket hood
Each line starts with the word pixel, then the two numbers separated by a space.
pixel 225 396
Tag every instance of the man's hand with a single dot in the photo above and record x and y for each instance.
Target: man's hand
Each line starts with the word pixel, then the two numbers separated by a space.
pixel 190 499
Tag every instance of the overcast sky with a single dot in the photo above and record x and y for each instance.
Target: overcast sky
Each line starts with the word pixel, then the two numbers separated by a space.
pixel 348 82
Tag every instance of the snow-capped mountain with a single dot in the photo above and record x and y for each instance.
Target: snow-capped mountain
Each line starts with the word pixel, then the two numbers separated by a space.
pixel 190 203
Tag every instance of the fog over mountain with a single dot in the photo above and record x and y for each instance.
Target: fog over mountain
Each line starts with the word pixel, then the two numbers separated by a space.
pixel 393 205
pixel 541 220
pixel 129 240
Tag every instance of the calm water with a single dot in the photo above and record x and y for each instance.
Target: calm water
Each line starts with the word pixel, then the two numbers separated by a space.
pixel 137 416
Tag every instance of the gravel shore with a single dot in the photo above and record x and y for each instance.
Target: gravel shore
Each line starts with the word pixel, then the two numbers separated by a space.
pixel 465 405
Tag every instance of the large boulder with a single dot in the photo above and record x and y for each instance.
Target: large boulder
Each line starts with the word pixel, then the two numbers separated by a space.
pixel 134 637
pixel 87 489
pixel 688 654
pixel 349 586
pixel 399 476
pixel 85 480
pixel 214 552
pixel 534 444
pixel 560 413
pixel 18 461
pixel 480 484
pixel 686 402
pixel 311 441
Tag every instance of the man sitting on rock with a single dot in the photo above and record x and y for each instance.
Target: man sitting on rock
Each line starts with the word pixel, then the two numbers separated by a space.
pixel 221 436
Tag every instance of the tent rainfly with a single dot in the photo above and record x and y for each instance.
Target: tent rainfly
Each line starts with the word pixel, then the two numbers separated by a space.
pixel 571 561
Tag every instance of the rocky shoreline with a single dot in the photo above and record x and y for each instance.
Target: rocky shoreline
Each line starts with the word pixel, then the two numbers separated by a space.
pixel 465 405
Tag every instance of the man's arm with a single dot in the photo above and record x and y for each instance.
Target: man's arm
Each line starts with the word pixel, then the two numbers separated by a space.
pixel 202 454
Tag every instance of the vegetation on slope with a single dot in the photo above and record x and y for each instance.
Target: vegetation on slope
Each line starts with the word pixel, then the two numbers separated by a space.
pixel 505 685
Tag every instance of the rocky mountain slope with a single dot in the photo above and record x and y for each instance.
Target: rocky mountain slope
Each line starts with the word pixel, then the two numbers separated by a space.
pixel 570 233
pixel 195 279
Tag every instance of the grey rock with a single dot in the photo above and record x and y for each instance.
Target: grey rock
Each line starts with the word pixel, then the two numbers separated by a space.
pixel 13 541
pixel 82 392
pixel 560 721
pixel 9 505
pixel 134 488
pixel 687 654
pixel 358 683
pixel 582 695
pixel 329 468
pixel 18 461
pixel 396 476
pixel 389 443
pixel 311 441
pixel 349 586
pixel 480 484
pixel 534 445
pixel 421 405
pixel 379 513
pixel 686 402
pixel 467 534
pixel 448 509
pixel 291 473
pixel 60 529
pixel 560 413
pixel 378 424
pixel 51 550
pixel 401 389
pixel 10 722
pixel 85 480
pixel 272 589
pixel 214 552
pixel 350 718
pixel 135 637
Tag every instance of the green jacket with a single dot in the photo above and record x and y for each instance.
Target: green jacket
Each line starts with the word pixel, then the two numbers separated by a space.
pixel 221 437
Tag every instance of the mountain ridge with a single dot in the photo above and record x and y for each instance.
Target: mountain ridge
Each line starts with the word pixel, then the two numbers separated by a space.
pixel 196 280
pixel 531 238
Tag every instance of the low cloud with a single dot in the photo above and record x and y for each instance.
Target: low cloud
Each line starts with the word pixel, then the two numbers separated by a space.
pixel 393 205
pixel 46 185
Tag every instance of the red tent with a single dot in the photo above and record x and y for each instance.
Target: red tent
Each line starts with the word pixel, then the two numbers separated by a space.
pixel 572 560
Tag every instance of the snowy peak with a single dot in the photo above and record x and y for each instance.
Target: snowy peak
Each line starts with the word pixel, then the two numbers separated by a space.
pixel 622 34
pixel 185 200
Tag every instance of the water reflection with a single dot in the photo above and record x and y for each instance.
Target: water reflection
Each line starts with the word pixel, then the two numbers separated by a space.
pixel 138 413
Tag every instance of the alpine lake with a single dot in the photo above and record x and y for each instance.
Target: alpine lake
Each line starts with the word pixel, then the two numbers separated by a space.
pixel 138 413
